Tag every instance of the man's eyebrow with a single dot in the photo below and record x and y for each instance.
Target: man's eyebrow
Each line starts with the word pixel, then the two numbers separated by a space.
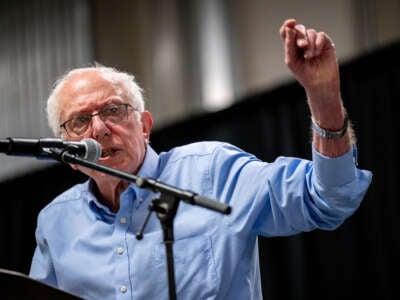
pixel 105 104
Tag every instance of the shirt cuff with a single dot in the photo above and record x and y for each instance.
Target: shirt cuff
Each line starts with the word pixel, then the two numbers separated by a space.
pixel 335 171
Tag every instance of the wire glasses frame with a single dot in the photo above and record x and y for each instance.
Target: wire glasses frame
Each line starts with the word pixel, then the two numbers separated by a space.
pixel 111 115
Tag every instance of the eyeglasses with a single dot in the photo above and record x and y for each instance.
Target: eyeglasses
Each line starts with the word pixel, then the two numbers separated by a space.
pixel 110 115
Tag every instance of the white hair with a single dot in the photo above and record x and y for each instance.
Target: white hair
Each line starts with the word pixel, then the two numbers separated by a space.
pixel 124 83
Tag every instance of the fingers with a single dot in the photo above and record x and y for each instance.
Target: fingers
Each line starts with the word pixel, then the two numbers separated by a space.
pixel 301 35
pixel 323 42
pixel 312 43
pixel 290 23
pixel 290 45
pixel 310 48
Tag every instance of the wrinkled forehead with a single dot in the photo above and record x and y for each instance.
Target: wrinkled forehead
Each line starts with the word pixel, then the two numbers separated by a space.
pixel 85 84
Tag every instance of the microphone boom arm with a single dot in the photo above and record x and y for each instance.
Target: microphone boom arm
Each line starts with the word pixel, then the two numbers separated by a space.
pixel 143 182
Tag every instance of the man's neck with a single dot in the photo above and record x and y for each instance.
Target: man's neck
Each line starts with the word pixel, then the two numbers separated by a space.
pixel 108 192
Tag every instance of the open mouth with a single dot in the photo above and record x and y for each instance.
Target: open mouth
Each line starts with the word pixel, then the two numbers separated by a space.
pixel 107 152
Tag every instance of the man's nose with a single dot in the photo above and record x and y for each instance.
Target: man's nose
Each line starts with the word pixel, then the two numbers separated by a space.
pixel 99 127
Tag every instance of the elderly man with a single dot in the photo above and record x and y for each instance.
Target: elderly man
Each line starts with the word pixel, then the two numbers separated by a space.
pixel 86 241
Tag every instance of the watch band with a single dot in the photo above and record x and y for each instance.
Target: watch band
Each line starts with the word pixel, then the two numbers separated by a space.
pixel 328 134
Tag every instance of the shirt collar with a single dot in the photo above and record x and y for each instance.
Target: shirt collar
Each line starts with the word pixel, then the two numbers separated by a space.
pixel 148 170
pixel 150 164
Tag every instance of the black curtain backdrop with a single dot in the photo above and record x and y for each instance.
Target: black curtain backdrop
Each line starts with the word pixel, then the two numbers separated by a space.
pixel 359 259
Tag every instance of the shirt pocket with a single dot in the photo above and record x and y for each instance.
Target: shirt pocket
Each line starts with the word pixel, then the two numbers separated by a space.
pixel 194 266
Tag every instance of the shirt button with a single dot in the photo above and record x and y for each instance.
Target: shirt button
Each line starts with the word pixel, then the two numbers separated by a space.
pixel 120 250
pixel 122 220
pixel 123 289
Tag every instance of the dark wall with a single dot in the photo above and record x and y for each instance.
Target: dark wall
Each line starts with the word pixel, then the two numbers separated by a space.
pixel 355 260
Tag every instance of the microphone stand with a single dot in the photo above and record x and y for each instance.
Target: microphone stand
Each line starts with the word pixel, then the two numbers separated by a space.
pixel 165 206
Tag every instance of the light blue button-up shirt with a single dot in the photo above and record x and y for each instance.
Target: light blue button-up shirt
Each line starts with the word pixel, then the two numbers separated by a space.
pixel 89 251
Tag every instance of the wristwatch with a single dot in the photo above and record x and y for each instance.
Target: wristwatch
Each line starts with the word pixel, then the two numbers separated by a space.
pixel 328 134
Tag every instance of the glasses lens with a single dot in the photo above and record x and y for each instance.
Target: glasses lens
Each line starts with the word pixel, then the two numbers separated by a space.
pixel 113 114
pixel 78 125
pixel 110 115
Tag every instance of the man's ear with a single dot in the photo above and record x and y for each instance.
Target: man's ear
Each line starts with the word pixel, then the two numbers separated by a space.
pixel 147 124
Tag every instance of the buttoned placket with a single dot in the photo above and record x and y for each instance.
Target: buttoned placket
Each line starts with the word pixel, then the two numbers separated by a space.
pixel 122 224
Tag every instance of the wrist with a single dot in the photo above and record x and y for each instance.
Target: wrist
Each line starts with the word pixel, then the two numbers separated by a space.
pixel 330 134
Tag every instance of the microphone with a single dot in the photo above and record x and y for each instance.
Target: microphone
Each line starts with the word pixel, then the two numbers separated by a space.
pixel 88 149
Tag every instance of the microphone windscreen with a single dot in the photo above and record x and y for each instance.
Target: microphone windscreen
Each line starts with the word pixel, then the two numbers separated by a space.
pixel 93 149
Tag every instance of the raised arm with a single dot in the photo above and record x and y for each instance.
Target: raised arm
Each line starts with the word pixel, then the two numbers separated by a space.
pixel 311 57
